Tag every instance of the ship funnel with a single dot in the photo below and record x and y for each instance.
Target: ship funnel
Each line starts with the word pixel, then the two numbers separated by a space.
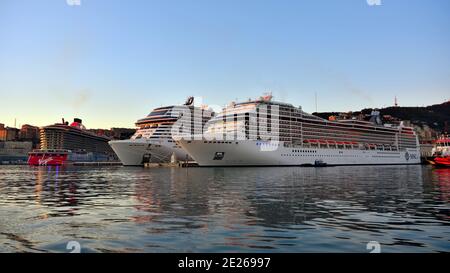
pixel 189 101
pixel 77 120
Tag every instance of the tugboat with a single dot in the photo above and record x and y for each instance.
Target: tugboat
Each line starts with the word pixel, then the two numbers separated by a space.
pixel 441 153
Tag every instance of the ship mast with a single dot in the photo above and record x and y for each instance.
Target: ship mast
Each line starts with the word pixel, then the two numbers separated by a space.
pixel 315 96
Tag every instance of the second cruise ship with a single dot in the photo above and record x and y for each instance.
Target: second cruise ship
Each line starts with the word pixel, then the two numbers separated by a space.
pixel 64 144
pixel 153 142
pixel 263 132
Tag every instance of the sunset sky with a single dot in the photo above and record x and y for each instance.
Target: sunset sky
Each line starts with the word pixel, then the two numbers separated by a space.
pixel 110 62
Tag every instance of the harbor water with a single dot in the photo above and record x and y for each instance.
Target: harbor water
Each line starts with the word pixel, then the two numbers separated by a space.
pixel 295 209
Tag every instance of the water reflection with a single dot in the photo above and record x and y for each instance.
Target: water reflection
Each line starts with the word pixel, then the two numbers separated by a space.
pixel 406 208
pixel 441 179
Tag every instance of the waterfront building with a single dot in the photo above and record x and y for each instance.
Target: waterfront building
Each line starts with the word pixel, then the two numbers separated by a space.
pixel 15 150
pixel 8 133
pixel 30 133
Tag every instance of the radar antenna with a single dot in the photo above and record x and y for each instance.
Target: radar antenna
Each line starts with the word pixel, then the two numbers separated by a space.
pixel 266 96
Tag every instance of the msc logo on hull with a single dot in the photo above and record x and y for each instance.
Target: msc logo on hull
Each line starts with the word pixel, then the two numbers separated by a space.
pixel 219 155
pixel 409 156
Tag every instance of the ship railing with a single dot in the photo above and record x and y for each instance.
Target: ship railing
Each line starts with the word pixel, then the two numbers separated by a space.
pixel 351 145
pixel 51 150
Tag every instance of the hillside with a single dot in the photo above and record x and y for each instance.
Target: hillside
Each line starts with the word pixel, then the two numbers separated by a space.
pixel 435 116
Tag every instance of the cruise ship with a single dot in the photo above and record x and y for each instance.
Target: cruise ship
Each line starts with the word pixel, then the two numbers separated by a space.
pixel 63 144
pixel 153 142
pixel 264 132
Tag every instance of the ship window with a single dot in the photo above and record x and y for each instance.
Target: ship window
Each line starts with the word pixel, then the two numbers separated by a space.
pixel 157 113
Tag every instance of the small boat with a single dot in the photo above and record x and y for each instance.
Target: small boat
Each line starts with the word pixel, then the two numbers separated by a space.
pixel 441 153
pixel 319 163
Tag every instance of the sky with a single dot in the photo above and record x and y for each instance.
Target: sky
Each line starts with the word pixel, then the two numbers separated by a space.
pixel 110 62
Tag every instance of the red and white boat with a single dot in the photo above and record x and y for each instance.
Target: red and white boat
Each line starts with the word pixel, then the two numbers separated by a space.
pixel 63 144
pixel 441 152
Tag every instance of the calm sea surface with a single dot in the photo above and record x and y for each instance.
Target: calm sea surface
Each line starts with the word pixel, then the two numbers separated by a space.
pixel 121 209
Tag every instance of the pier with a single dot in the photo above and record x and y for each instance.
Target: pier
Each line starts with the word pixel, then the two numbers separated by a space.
pixel 181 164
pixel 97 163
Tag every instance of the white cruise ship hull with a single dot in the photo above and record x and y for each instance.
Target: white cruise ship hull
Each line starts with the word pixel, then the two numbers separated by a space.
pixel 136 152
pixel 256 153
